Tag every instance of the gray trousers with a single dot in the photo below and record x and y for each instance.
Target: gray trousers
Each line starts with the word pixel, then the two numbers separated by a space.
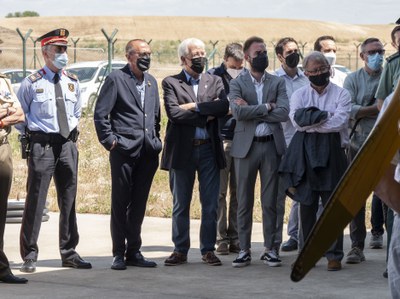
pixel 5 185
pixel 262 158
pixel 394 259
pixel 227 217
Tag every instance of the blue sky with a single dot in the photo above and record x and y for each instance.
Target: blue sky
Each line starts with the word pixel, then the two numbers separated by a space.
pixel 342 11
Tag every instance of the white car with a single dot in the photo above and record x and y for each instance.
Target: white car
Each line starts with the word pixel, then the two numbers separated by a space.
pixel 91 75
pixel 16 76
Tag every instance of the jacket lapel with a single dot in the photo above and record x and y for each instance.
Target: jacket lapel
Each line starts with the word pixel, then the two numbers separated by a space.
pixel 130 81
pixel 252 99
pixel 203 85
pixel 266 87
pixel 186 86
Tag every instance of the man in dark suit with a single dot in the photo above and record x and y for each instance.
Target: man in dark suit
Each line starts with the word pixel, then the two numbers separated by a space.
pixel 259 104
pixel 193 102
pixel 127 121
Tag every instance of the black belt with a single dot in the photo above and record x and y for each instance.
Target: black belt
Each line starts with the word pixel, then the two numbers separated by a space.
pixel 42 137
pixel 197 142
pixel 263 138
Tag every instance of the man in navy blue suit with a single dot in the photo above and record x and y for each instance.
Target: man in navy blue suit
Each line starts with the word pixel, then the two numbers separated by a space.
pixel 127 121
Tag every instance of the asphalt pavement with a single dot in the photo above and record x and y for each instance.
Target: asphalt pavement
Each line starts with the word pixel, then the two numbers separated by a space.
pixel 192 280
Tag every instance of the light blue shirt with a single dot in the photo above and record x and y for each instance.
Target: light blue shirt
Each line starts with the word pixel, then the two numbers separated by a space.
pixel 291 84
pixel 200 133
pixel 37 98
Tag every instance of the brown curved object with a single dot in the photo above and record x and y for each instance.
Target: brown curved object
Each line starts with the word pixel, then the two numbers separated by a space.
pixel 354 188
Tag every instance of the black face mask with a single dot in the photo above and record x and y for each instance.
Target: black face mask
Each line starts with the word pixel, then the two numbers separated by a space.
pixel 292 60
pixel 260 63
pixel 198 64
pixel 321 79
pixel 143 63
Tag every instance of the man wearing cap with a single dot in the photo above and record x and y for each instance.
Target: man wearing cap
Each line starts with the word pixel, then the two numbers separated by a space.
pixel 10 114
pixel 50 99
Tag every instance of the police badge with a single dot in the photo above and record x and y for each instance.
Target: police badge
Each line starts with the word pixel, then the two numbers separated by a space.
pixel 71 87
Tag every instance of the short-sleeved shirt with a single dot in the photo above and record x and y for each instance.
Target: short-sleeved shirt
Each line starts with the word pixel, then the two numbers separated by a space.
pixel 390 77
pixel 7 97
pixel 362 88
pixel 38 101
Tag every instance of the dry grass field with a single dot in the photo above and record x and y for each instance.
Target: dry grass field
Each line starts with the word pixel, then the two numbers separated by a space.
pixel 94 178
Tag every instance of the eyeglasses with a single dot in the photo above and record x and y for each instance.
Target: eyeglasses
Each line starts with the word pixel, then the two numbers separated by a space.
pixel 320 70
pixel 372 52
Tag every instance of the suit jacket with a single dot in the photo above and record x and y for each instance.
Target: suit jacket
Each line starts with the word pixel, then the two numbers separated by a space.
pixel 211 101
pixel 119 114
pixel 249 116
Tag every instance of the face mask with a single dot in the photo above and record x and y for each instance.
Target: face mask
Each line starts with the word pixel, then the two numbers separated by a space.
pixel 292 60
pixel 375 61
pixel 60 60
pixel 198 64
pixel 233 72
pixel 143 63
pixel 331 58
pixel 260 63
pixel 320 80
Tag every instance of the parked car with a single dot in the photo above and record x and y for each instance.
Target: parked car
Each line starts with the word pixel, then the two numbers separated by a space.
pixel 16 76
pixel 91 75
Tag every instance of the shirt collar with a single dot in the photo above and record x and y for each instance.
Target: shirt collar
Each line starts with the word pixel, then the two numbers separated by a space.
pixel 281 73
pixel 255 81
pixel 50 74
pixel 188 76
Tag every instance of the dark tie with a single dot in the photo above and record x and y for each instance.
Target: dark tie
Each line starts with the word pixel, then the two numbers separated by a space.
pixel 61 114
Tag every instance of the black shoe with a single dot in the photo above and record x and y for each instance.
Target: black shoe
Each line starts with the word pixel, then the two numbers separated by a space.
pixel 77 262
pixel 10 278
pixel 29 266
pixel 138 260
pixel 385 274
pixel 289 245
pixel 118 263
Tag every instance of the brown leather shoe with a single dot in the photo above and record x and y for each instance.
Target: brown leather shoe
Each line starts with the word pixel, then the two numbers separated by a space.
pixel 175 259
pixel 334 265
pixel 211 259
pixel 222 249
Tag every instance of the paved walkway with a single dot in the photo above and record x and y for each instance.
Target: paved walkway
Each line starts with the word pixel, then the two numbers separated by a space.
pixel 193 280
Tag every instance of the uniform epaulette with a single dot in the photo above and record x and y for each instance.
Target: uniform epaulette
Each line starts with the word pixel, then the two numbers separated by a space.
pixel 35 76
pixel 393 56
pixel 71 75
pixel 2 75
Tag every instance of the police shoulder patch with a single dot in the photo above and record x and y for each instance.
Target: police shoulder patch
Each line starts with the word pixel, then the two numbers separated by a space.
pixel 35 76
pixel 71 75
pixel 393 57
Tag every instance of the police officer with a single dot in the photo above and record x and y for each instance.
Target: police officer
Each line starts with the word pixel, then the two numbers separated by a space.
pixel 50 99
pixel 10 113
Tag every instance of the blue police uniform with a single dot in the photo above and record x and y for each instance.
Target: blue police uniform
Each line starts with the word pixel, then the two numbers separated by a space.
pixel 44 96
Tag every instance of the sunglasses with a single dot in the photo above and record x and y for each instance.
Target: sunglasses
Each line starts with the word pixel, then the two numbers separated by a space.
pixel 372 52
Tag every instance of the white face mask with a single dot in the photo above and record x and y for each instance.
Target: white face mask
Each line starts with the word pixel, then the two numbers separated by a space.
pixel 331 56
pixel 60 60
pixel 233 72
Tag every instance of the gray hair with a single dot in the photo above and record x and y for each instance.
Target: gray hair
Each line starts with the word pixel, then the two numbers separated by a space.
pixel 234 50
pixel 315 56
pixel 183 49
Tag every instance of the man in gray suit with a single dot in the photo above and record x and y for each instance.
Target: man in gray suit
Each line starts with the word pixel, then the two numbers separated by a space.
pixel 259 104
pixel 127 120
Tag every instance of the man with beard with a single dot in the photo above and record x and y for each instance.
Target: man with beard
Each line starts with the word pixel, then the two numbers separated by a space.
pixel 259 104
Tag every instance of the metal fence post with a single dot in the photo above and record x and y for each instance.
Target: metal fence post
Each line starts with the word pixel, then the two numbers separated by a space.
pixel 110 46
pixel 357 46
pixel 24 38
pixel 214 44
pixel 113 48
pixel 302 45
pixel 274 55
pixel 75 42
pixel 34 51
